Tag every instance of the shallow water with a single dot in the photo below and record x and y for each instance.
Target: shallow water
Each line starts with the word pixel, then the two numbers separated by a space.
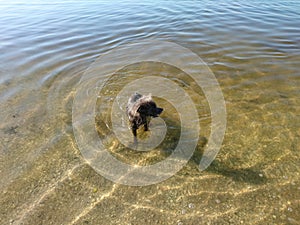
pixel 253 49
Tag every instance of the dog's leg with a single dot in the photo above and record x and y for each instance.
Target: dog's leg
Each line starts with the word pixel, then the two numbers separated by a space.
pixel 146 126
pixel 135 142
pixel 134 128
pixel 145 121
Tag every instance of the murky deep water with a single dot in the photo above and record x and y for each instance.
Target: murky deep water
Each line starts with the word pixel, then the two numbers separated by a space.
pixel 253 49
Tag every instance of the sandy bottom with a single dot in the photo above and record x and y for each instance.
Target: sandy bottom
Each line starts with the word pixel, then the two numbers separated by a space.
pixel 253 180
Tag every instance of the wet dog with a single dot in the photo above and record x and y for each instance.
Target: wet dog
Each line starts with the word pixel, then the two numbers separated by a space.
pixel 140 109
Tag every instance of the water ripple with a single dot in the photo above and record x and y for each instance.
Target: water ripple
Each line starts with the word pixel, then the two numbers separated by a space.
pixel 253 48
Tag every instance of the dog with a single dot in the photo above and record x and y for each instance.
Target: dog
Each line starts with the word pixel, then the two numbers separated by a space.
pixel 140 109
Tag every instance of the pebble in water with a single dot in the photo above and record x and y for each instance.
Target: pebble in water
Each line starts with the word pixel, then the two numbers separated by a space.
pixel 191 206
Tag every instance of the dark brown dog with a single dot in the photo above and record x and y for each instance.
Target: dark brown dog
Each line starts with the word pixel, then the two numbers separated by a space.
pixel 140 109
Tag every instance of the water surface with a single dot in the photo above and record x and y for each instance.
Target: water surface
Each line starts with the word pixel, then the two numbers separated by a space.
pixel 253 48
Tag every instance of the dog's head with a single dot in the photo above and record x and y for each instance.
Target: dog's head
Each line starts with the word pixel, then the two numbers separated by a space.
pixel 147 107
pixel 143 105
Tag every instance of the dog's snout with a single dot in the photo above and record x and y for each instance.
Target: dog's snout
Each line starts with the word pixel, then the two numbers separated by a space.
pixel 159 111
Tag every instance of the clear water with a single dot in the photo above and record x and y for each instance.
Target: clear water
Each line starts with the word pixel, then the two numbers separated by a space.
pixel 253 48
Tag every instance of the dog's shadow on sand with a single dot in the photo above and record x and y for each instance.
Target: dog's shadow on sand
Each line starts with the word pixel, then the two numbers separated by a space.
pixel 251 175
pixel 248 175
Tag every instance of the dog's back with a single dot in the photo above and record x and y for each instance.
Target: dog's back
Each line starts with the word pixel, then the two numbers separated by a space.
pixel 132 106
pixel 135 102
pixel 134 98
